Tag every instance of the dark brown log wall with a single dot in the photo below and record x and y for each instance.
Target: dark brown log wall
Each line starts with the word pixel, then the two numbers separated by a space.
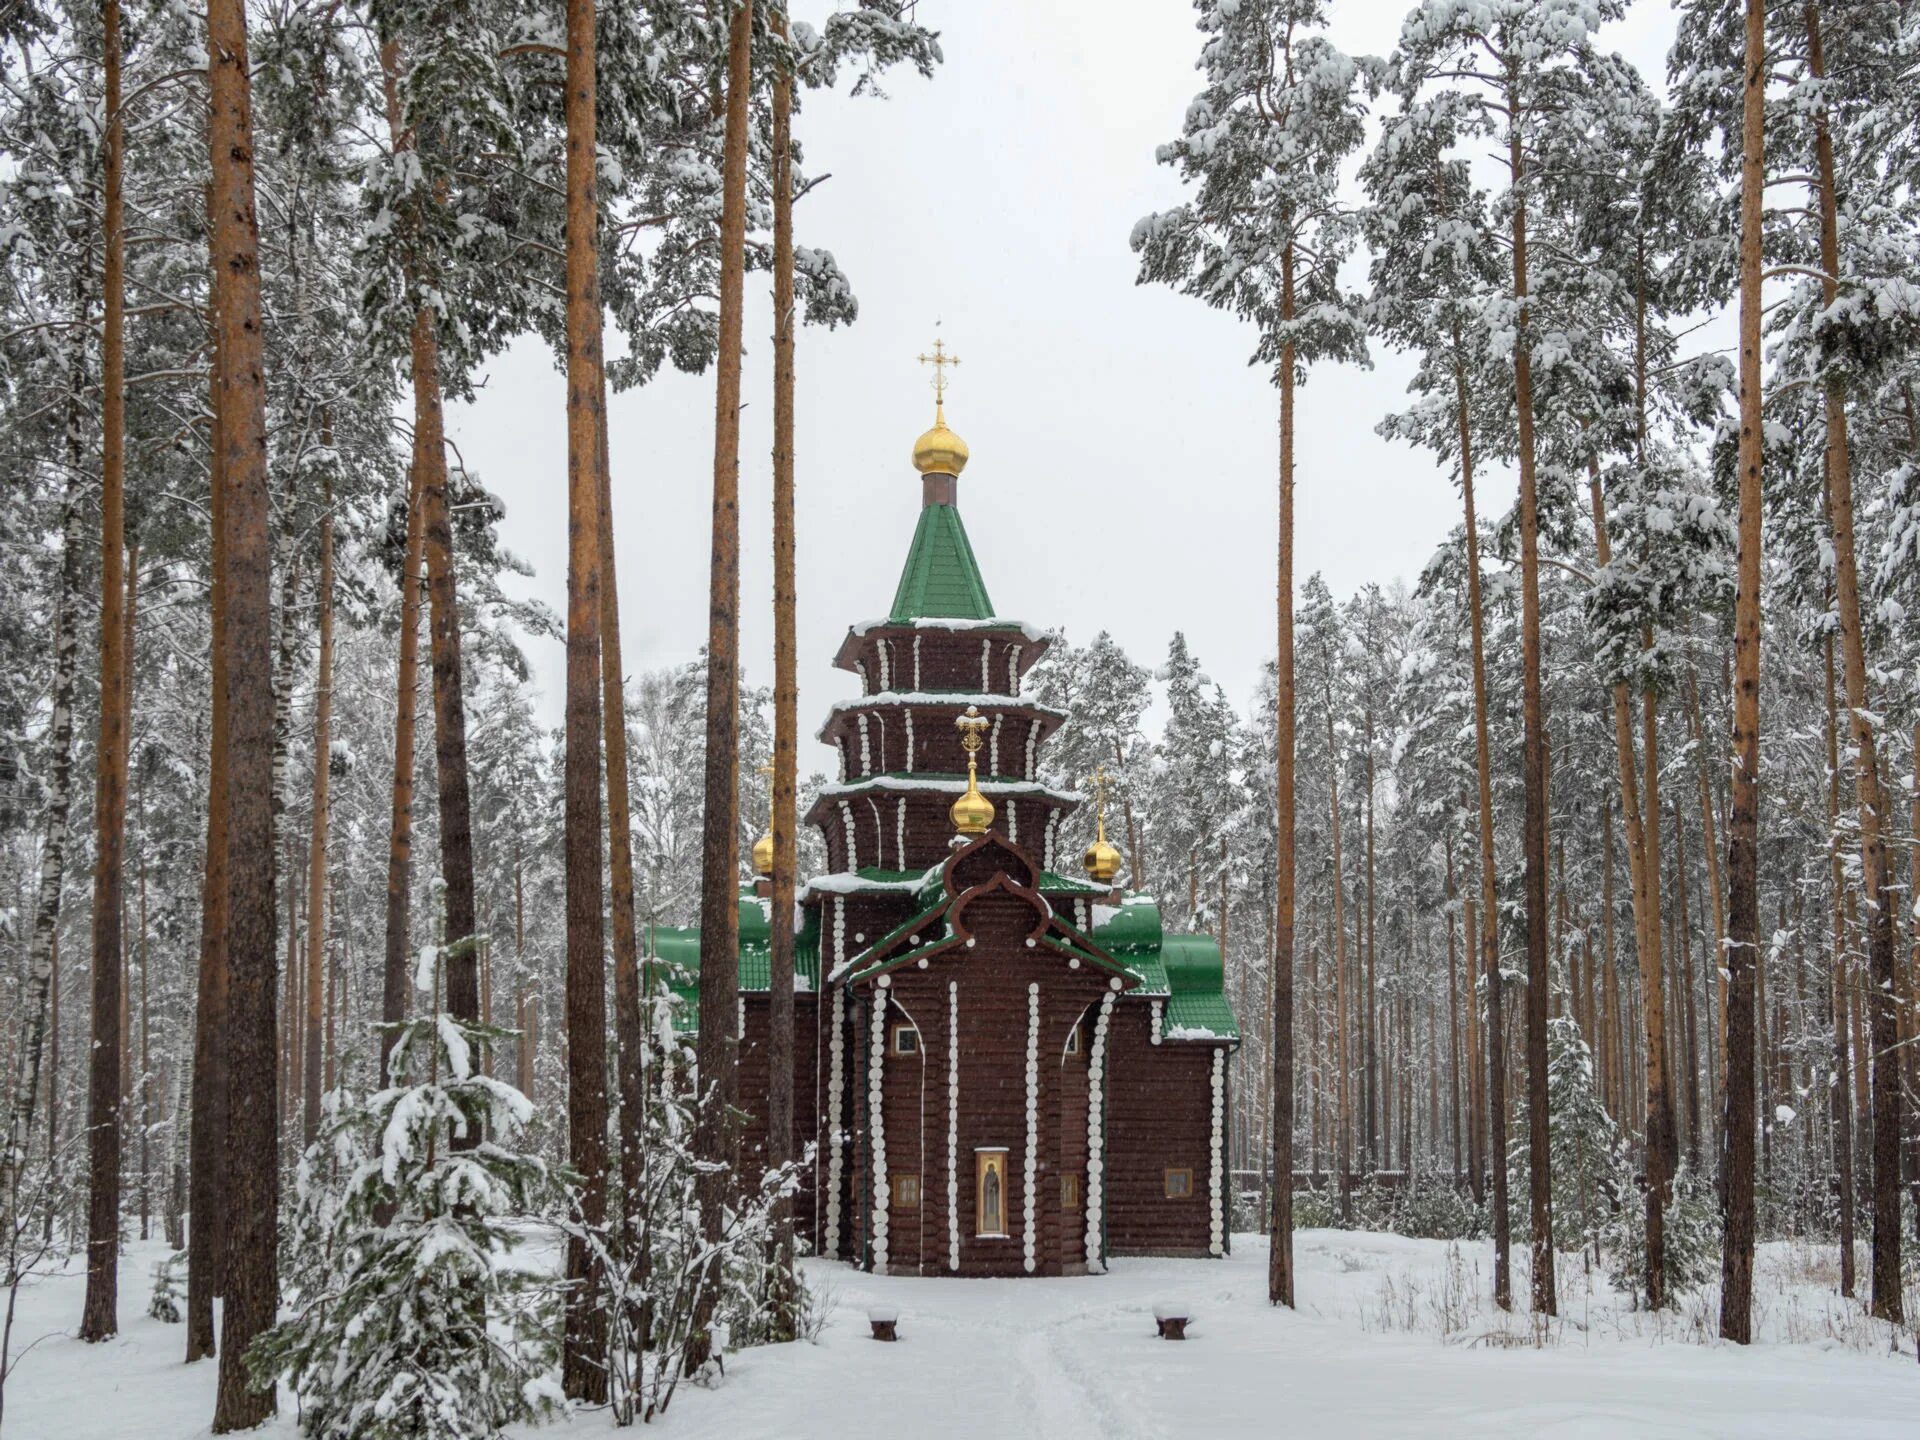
pixel 1159 1116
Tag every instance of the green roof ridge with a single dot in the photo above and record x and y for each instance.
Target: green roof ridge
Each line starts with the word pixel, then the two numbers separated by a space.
pixel 941 578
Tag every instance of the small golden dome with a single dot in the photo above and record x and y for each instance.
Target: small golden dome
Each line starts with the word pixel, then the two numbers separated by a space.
pixel 940 451
pixel 1102 861
pixel 972 813
pixel 763 854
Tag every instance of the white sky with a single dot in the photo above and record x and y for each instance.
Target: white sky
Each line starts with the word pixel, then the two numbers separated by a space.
pixel 1123 453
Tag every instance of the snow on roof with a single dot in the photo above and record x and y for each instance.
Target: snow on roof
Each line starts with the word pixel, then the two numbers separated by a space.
pixel 947 785
pixel 948 622
pixel 984 700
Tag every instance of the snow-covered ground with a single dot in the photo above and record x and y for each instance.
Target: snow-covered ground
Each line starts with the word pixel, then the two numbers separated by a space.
pixel 1394 1337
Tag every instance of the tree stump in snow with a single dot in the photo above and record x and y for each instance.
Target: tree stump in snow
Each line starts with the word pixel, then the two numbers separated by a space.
pixel 1172 1322
pixel 884 1323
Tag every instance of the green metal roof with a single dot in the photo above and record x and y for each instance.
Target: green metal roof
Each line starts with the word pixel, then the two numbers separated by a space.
pixel 941 577
pixel 1205 1016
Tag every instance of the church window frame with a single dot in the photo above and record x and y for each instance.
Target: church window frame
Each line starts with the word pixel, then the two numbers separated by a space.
pixel 906 1192
pixel 906 1042
pixel 1073 1038
pixel 1179 1182
pixel 1069 1192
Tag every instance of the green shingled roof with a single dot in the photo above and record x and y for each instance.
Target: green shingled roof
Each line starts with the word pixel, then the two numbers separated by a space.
pixel 941 577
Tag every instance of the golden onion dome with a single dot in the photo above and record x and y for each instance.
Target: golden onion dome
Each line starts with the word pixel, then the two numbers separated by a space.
pixel 940 451
pixel 1102 861
pixel 972 813
pixel 763 854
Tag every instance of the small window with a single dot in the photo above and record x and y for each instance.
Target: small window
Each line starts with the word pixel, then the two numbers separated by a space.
pixel 1069 1192
pixel 1073 1039
pixel 906 1040
pixel 906 1192
pixel 1179 1184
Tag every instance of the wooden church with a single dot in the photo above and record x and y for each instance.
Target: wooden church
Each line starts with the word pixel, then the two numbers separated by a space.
pixel 1006 1070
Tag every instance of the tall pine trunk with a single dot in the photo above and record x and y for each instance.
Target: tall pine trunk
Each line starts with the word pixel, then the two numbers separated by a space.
pixel 207 1242
pixel 1743 826
pixel 449 706
pixel 1280 1268
pixel 317 835
pixel 252 1182
pixel 786 696
pixel 100 1318
pixel 1883 989
pixel 1534 746
pixel 583 1364
pixel 1643 881
pixel 1489 904
pixel 714 1140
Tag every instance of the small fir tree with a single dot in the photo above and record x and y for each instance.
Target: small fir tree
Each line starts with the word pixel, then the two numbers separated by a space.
pixel 423 1326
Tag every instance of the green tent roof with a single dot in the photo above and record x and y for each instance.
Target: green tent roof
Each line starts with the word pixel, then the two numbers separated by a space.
pixel 941 577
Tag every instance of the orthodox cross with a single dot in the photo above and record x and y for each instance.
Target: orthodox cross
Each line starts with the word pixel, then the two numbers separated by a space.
pixel 1100 781
pixel 940 360
pixel 768 771
pixel 970 726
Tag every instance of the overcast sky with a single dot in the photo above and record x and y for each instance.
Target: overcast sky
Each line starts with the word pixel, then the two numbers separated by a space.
pixel 1122 474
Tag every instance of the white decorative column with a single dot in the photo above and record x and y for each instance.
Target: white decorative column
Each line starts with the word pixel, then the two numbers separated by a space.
pixel 1096 1127
pixel 986 665
pixel 836 1091
pixel 953 1124
pixel 1159 1010
pixel 900 833
pixel 916 664
pixel 866 748
pixel 876 1122
pixel 1033 1116
pixel 1216 1174
pixel 853 843
pixel 910 736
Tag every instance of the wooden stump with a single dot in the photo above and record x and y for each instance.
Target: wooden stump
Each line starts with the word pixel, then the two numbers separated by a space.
pixel 1172 1327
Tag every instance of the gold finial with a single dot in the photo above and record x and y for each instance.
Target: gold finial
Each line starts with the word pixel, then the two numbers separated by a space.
pixel 1102 861
pixel 940 451
pixel 972 813
pixel 763 847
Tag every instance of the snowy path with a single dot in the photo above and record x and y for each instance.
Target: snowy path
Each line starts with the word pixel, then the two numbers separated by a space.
pixel 1075 1359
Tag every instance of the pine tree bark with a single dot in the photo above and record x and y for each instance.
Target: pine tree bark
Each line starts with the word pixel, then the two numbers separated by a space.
pixel 1743 826
pixel 1883 980
pixel 1661 1142
pixel 317 835
pixel 395 975
pixel 714 1138
pixel 1534 746
pixel 786 695
pixel 1489 904
pixel 99 1318
pixel 1280 1267
pixel 207 1244
pixel 1343 1143
pixel 253 1140
pixel 449 706
pixel 583 1362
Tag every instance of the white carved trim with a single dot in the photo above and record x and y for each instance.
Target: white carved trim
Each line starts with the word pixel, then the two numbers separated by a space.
pixel 993 746
pixel 1033 746
pixel 1013 821
pixel 836 1090
pixel 986 664
pixel 953 1124
pixel 886 664
pixel 860 669
pixel 1033 1117
pixel 853 842
pixel 1013 668
pixel 1216 1170
pixel 900 833
pixel 916 662
pixel 909 742
pixel 877 1125
pixel 1158 1010
pixel 1096 1133
pixel 866 749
